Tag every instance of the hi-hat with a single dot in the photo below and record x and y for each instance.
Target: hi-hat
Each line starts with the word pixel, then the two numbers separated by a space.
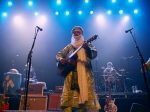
pixel 102 67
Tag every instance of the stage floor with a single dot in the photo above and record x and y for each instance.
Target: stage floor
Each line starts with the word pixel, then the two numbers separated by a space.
pixel 123 100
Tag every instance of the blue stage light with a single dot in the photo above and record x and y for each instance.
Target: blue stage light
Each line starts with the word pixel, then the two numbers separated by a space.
pixel 56 13
pixel 113 0
pixel 130 0
pixel 80 12
pixel 30 3
pixel 4 14
pixel 135 11
pixel 9 3
pixel 67 12
pixel 58 1
pixel 121 11
pixel 91 12
pixel 86 1
pixel 109 12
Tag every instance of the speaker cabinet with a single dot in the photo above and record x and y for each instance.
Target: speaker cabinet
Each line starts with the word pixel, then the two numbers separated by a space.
pixel 34 102
pixel 54 102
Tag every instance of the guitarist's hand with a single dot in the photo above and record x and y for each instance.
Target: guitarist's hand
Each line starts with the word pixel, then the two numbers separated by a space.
pixel 63 60
pixel 85 45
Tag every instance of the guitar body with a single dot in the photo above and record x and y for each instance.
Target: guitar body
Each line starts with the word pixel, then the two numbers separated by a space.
pixel 110 106
pixel 64 69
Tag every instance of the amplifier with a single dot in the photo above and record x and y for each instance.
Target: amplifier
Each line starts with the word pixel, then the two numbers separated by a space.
pixel 34 103
pixel 58 89
pixel 54 102
pixel 35 89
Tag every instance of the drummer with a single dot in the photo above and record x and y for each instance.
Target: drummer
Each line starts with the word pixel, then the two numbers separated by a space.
pixel 111 74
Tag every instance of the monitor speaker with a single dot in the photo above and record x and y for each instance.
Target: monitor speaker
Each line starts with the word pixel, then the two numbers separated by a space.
pixel 139 108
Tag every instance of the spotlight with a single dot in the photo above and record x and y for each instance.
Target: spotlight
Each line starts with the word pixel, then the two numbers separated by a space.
pixel 58 1
pixel 56 13
pixel 91 12
pixel 67 12
pixel 109 12
pixel 36 13
pixel 121 11
pixel 30 3
pixel 135 11
pixel 130 0
pixel 113 0
pixel 4 14
pixel 86 1
pixel 80 12
pixel 9 3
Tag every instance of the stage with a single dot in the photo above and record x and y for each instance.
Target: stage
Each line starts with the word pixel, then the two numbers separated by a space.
pixel 123 101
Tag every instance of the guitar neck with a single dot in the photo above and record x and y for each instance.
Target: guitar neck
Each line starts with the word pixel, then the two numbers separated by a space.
pixel 74 52
pixel 109 90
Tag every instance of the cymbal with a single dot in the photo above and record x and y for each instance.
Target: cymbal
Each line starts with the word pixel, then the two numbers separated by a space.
pixel 103 75
pixel 122 70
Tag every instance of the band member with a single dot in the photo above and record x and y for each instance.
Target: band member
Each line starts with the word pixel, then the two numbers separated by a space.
pixel 147 66
pixel 32 77
pixel 112 75
pixel 78 92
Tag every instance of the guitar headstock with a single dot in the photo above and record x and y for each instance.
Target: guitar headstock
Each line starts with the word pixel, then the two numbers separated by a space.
pixel 92 38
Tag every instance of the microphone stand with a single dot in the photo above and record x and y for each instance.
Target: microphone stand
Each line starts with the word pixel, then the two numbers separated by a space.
pixel 20 100
pixel 142 63
pixel 28 76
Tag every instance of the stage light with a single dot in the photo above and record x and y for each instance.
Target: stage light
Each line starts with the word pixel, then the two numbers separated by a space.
pixel 56 13
pixel 109 12
pixel 80 12
pixel 113 1
pixel 18 20
pixel 9 3
pixel 41 20
pixel 36 13
pixel 126 18
pixel 58 1
pixel 30 3
pixel 135 11
pixel 86 1
pixel 4 14
pixel 67 13
pixel 91 12
pixel 121 11
pixel 130 0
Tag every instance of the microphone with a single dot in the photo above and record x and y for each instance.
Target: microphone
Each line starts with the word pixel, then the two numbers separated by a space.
pixel 39 28
pixel 128 30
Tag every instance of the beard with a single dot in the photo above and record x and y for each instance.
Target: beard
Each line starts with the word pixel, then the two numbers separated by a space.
pixel 77 41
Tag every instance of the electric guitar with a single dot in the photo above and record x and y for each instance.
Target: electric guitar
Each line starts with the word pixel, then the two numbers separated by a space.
pixel 64 69
pixel 5 104
pixel 110 106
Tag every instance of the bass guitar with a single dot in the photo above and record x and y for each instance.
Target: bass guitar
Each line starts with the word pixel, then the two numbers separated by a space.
pixel 5 104
pixel 64 69
pixel 110 106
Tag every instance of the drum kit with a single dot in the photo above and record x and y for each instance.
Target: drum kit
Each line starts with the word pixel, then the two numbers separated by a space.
pixel 118 82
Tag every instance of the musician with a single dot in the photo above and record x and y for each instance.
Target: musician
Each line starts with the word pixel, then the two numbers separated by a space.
pixel 146 66
pixel 32 77
pixel 110 74
pixel 78 92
